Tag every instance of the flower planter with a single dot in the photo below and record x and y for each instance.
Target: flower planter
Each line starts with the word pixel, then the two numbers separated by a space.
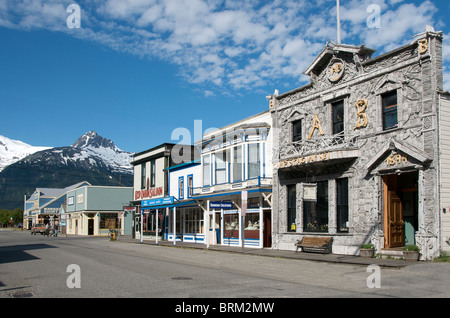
pixel 411 256
pixel 366 252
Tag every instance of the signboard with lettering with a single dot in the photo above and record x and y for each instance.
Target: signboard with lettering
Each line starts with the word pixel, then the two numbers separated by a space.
pixel 220 205
pixel 148 193
pixel 156 202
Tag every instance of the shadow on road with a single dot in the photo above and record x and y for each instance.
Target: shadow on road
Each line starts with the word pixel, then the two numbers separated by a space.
pixel 17 253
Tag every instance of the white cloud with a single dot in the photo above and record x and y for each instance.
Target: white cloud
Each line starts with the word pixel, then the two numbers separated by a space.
pixel 226 43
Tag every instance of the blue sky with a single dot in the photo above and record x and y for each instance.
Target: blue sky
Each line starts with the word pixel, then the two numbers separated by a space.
pixel 138 69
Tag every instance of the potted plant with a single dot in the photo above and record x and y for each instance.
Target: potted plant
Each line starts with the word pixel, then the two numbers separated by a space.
pixel 411 253
pixel 366 250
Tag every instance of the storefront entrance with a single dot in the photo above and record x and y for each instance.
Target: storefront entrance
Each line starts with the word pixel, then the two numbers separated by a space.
pixel 400 193
pixel 90 226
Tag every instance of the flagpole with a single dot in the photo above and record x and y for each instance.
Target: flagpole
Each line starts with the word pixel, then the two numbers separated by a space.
pixel 338 22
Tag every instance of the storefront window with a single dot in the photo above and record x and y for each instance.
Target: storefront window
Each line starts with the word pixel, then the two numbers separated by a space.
pixel 251 226
pixel 109 221
pixel 315 213
pixel 231 223
pixel 194 221
pixel 342 205
pixel 149 222
pixel 292 208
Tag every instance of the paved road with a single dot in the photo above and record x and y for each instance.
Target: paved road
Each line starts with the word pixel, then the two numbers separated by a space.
pixel 37 266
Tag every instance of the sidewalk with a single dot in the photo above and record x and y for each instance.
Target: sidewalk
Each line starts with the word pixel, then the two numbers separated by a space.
pixel 268 252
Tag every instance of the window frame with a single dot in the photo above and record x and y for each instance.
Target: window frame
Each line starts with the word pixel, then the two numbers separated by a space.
pixel 383 97
pixel 143 175
pixel 257 163
pixel 296 137
pixel 291 210
pixel 181 187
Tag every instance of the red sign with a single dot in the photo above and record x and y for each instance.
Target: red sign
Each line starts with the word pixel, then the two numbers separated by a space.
pixel 148 193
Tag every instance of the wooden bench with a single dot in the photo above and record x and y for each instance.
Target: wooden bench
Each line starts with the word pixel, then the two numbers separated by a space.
pixel 315 244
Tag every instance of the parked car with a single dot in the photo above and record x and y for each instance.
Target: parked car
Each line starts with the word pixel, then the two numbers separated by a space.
pixel 39 228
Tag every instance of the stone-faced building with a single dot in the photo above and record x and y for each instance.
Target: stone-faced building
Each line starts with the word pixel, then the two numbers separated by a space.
pixel 356 153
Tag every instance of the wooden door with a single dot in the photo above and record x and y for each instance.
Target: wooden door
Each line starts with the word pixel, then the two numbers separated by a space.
pixel 395 220
pixel 267 231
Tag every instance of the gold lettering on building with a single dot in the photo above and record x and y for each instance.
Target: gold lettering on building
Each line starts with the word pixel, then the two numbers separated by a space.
pixel 304 160
pixel 316 125
pixel 396 159
pixel 361 106
pixel 423 46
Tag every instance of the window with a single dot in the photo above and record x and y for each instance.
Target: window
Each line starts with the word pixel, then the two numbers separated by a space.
pixel 292 208
pixel 237 163
pixel 143 176
pixel 220 168
pixel 389 102
pixel 206 170
pixel 109 221
pixel 152 173
pixel 180 187
pixel 193 221
pixel 338 117
pixel 190 184
pixel 297 130
pixel 253 161
pixel 315 213
pixel 342 205
pixel 231 224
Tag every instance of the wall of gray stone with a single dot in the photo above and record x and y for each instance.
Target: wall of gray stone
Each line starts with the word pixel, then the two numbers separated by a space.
pixel 416 76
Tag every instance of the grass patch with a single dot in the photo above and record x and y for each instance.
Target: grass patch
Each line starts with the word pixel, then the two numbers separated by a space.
pixel 443 258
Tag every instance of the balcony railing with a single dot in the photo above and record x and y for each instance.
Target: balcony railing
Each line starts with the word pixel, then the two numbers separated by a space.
pixel 340 141
pixel 224 187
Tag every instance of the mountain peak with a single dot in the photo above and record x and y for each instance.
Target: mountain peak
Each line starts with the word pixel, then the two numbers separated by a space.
pixel 93 140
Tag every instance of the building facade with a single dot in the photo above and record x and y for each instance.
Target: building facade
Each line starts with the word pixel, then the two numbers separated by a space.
pixel 185 215
pixel 236 183
pixel 45 205
pixel 151 183
pixel 94 210
pixel 356 154
pixel 444 167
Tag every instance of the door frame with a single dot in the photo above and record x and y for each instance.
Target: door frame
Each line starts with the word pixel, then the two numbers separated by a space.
pixel 393 185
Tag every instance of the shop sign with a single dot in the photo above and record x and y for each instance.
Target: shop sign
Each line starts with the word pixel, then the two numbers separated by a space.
pixel 310 192
pixel 305 160
pixel 220 205
pixel 51 210
pixel 156 202
pixel 148 193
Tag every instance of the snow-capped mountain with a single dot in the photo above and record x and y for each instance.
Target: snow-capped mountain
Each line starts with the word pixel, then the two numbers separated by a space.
pixel 95 148
pixel 91 158
pixel 91 152
pixel 12 151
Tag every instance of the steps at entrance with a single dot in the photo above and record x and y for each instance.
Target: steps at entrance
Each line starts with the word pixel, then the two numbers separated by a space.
pixel 392 253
